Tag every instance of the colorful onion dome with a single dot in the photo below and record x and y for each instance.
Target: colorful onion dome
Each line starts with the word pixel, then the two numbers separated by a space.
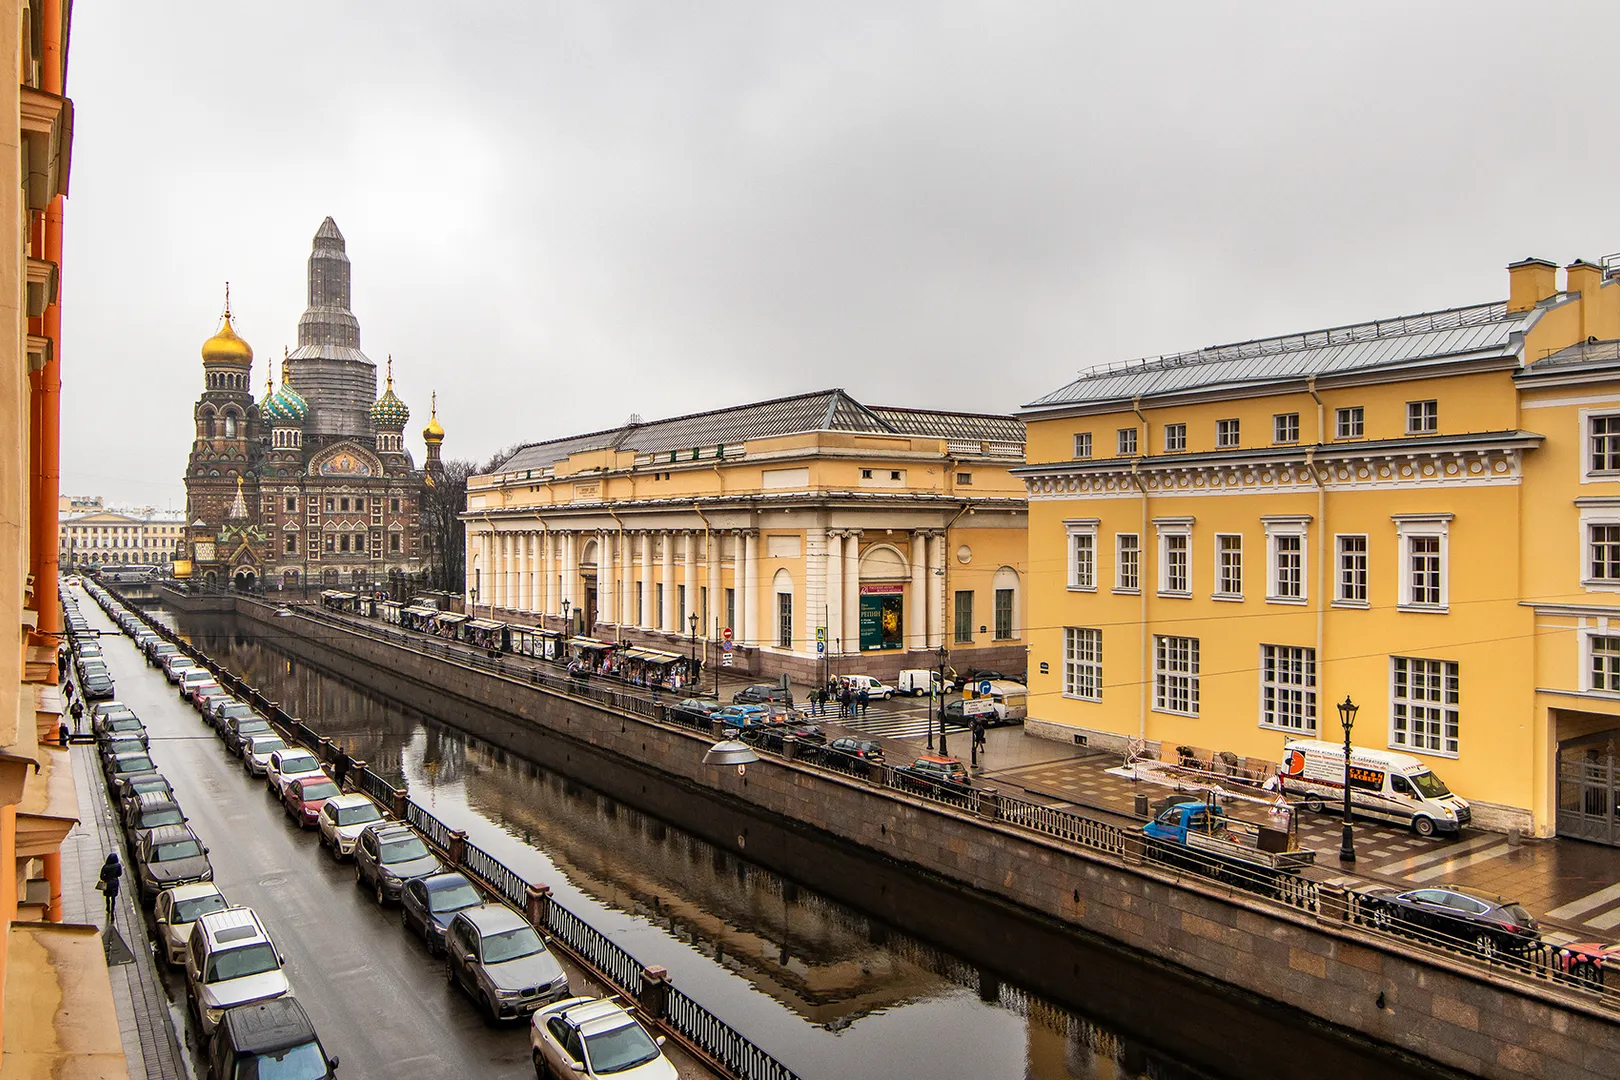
pixel 433 433
pixel 388 411
pixel 286 407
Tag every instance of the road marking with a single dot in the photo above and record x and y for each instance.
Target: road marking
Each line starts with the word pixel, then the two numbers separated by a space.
pixel 1606 920
pixel 1585 903
pixel 1450 866
pixel 1449 851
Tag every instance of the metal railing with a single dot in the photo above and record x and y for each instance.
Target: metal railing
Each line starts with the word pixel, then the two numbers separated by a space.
pixel 1063 824
pixel 373 785
pixel 437 832
pixel 597 948
pixel 497 875
pixel 720 1040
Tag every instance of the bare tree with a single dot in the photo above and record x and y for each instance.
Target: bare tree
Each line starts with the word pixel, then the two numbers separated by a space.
pixel 443 532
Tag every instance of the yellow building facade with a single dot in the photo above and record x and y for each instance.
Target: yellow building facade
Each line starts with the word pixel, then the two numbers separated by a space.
pixel 1226 543
pixel 824 535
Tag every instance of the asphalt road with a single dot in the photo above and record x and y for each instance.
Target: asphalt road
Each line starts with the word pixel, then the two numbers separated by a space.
pixel 376 998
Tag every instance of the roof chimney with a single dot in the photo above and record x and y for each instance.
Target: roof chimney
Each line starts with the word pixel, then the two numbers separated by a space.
pixel 1530 281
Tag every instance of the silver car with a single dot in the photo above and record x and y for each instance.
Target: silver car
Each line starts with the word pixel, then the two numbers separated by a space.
pixel 342 819
pixel 498 957
pixel 176 909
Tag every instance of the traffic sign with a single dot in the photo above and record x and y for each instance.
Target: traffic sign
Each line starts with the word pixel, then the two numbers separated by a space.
pixel 978 707
pixel 725 658
pixel 821 647
pixel 821 634
pixel 984 687
pixel 726 633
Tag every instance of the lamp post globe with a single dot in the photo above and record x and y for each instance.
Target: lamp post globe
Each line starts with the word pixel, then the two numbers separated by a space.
pixel 1347 720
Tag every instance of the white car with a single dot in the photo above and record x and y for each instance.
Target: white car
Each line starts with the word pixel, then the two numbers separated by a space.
pixel 293 763
pixel 175 665
pixel 342 819
pixel 256 752
pixel 584 1038
pixel 875 689
pixel 176 909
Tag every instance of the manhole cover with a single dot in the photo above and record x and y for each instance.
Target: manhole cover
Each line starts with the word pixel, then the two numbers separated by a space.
pixel 272 882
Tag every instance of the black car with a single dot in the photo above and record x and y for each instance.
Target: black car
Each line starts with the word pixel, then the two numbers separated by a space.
pixel 763 693
pixel 963 678
pixel 1477 918
pixel 427 904
pixel 774 736
pixel 236 729
pixel 693 712
pixel 935 775
pixel 852 755
pixel 276 1032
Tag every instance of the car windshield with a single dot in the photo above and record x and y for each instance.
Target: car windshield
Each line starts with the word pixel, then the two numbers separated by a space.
pixel 620 1049
pixel 268 746
pixel 1520 915
pixel 179 849
pixel 1429 785
pixel 169 815
pixel 191 910
pixel 453 898
pixel 322 789
pixel 358 815
pixel 235 709
pixel 141 763
pixel 240 963
pixel 299 763
pixel 512 944
pixel 404 850
pixel 252 727
pixel 304 1062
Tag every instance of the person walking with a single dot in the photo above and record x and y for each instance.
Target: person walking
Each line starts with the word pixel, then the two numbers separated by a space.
pixel 847 702
pixel 61 662
pixel 111 871
pixel 863 699
pixel 77 712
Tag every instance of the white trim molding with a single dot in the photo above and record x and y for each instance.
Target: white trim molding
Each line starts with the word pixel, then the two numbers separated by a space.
pixel 1410 530
pixel 1295 529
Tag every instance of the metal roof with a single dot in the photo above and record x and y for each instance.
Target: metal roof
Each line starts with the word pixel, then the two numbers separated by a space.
pixel 1582 352
pixel 824 410
pixel 1480 330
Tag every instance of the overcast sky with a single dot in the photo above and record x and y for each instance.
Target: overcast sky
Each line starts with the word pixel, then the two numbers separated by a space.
pixel 560 214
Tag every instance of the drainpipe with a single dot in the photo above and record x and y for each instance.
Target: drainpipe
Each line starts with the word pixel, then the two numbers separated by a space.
pixel 1142 598
pixel 1321 527
pixel 1144 447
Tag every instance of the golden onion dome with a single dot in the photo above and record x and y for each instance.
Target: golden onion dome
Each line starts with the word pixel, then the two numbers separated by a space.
pixel 433 433
pixel 226 347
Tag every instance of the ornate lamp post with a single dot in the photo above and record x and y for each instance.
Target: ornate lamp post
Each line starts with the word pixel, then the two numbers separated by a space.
pixel 691 673
pixel 567 631
pixel 944 657
pixel 1347 719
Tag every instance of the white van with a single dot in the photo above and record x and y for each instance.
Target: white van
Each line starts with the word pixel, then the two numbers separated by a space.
pixel 916 681
pixel 1383 784
pixel 875 689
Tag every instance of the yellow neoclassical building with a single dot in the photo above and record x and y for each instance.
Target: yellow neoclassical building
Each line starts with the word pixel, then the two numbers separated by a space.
pixel 1420 513
pixel 825 535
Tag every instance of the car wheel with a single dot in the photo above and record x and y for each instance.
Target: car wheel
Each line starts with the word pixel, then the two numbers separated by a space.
pixel 359 875
pixel 1423 826
pixel 382 897
pixel 542 1071
pixel 1381 917
pixel 1314 804
pixel 1485 944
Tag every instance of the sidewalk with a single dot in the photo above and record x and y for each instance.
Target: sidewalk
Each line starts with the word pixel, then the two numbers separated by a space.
pixel 145 1021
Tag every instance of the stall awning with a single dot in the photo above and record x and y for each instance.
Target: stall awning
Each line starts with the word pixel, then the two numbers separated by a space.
pixel 651 656
pixel 451 617
pixel 484 624
pixel 591 643
pixel 423 611
pixel 391 604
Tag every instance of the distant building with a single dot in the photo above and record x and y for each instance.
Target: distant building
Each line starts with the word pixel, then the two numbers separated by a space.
pixel 101 536
pixel 79 504
pixel 818 534
pixel 313 484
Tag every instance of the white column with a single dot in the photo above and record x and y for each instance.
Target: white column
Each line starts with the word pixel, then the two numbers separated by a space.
pixel 534 572
pixel 525 597
pixel 627 600
pixel 690 583
pixel 917 594
pixel 498 597
pixel 751 575
pixel 739 588
pixel 936 590
pixel 644 577
pixel 666 610
pixel 835 591
pixel 852 591
pixel 569 553
pixel 711 561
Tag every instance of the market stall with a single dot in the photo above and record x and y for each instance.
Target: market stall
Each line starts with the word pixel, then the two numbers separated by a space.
pixel 484 634
pixel 534 641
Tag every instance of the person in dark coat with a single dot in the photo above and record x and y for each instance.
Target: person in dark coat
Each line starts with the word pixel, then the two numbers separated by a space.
pixel 111 871
pixel 863 699
pixel 77 711
pixel 847 700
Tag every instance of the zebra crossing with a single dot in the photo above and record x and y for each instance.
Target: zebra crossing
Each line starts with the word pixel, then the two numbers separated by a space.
pixel 891 723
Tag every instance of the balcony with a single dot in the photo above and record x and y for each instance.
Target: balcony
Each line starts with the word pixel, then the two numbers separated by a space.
pixel 46 122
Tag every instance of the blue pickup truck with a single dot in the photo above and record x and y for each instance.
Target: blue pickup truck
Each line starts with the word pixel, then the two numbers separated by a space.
pixel 1204 838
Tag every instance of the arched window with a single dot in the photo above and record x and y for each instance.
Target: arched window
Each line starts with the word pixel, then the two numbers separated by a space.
pixel 230 425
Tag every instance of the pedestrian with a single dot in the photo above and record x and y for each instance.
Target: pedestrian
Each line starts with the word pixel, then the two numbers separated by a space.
pixel 111 871
pixel 67 688
pixel 863 699
pixel 77 711
pixel 847 702
pixel 62 734
pixel 978 733
pixel 61 662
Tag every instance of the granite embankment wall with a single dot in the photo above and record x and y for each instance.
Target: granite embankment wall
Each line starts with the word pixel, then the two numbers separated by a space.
pixel 1459 1015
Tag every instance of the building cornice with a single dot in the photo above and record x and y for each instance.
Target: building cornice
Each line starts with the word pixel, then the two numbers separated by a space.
pixel 818 500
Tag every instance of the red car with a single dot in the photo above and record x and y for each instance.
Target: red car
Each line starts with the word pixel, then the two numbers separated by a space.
pixel 198 690
pixel 303 798
pixel 1584 961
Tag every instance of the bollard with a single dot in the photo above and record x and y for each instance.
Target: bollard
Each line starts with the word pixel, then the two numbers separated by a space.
pixel 539 904
pixel 458 847
pixel 323 748
pixel 1141 804
pixel 654 992
pixel 399 801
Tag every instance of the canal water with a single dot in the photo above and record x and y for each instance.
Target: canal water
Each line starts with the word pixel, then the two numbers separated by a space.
pixel 831 992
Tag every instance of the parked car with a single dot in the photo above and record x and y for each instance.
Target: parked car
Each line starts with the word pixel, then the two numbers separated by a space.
pixel 303 798
pixel 97 686
pixel 916 682
pixel 775 736
pixel 1585 961
pixel 193 677
pixel 108 709
pixel 230 961
pixel 495 955
pixel 342 819
pixel 151 811
pixel 158 650
pixel 123 725
pixel 124 742
pixel 694 712
pixel 235 710
pixel 742 715
pixel 237 728
pixel 962 678
pixel 388 854
pixel 935 775
pixel 205 702
pixel 1472 916
pixel 168 856
pixel 194 690
pixel 852 755
pixel 427 904
pixel 762 692
pixel 289 764
pixel 175 666
pixel 130 785
pixel 876 689
pixel 176 909
pixel 217 706
pixel 123 764
pixel 268 1039
pixel 256 751
pixel 586 1038
pixel 1393 786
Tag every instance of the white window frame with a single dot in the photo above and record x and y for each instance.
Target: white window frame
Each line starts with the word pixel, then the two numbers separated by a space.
pixel 1132 587
pixel 1446 710
pixel 1228 434
pixel 1419 411
pixel 1595 511
pixel 1221 583
pixel 1082 573
pixel 1175 666
pixel 1588 473
pixel 1125 442
pixel 1082 663
pixel 1409 527
pixel 1340 598
pixel 1347 417
pixel 1295 528
pixel 1285 428
pixel 1282 697
pixel 1180 528
pixel 1589 656
pixel 1175 438
pixel 1082 444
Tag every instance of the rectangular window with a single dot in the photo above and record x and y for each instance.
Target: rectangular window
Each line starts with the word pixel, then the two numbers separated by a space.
pixel 343 504
pixel 1226 433
pixel 290 546
pixel 393 506
pixel 1082 558
pixel 784 620
pixel 1175 437
pixel 1082 663
pixel 680 608
pixel 393 541
pixel 1285 428
pixel 1175 674
pixel 1004 614
pixel 331 541
pixel 343 542
pixel 1176 578
pixel 658 603
pixel 1605 547
pixel 964 617
pixel 1229 565
pixel 1422 417
pixel 641 604
pixel 964 478
pixel 1290 567
pixel 1604 433
pixel 1352 577
pixel 731 609
pixel 1288 688
pixel 331 504
pixel 1082 444
pixel 292 504
pixel 1128 568
pixel 1605 664
pixel 1423 705
pixel 1349 423
pixel 1127 441
pixel 1423 554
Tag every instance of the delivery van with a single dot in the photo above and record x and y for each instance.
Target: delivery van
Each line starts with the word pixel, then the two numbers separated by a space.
pixel 1011 700
pixel 916 682
pixel 1383 784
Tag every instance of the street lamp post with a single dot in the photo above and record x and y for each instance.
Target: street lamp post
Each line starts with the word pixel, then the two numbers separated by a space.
pixel 1347 719
pixel 566 631
pixel 691 674
pixel 944 657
